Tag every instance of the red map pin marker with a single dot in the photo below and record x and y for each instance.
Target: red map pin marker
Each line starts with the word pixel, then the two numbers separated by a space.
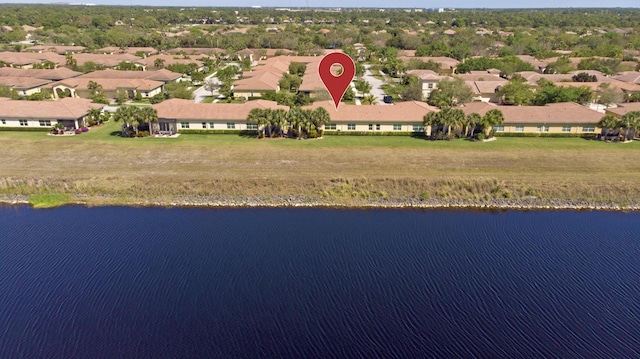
pixel 337 85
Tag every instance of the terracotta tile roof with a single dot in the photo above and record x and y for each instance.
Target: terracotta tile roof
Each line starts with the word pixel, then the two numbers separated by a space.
pixel 480 76
pixel 401 112
pixel 535 62
pixel 446 63
pixel 27 58
pixel 171 59
pixel 628 76
pixel 128 50
pixel 188 110
pixel 480 87
pixel 67 108
pixel 197 50
pixel 260 81
pixel 106 60
pixel 59 73
pixel 425 74
pixel 59 49
pixel 311 81
pixel 622 109
pixel 109 84
pixel 558 113
pixel 22 83
pixel 163 75
pixel 477 107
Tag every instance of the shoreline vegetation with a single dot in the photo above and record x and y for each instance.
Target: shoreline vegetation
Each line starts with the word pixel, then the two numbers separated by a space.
pixel 100 168
pixel 531 203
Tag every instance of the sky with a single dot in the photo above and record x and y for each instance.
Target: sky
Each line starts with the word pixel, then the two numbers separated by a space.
pixel 360 3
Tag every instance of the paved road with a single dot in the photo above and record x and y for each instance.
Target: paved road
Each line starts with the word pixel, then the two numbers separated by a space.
pixel 200 94
pixel 376 85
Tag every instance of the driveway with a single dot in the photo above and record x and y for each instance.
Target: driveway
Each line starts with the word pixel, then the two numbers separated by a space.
pixel 201 93
pixel 376 85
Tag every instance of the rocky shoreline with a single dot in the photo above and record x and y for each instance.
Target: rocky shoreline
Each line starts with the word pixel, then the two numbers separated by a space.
pixel 529 203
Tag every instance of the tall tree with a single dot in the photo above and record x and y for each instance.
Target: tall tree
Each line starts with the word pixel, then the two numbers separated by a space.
pixel 450 93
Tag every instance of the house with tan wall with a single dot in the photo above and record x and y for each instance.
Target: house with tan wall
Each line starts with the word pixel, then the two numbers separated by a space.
pixel 175 115
pixel 70 112
pixel 560 118
pixel 400 117
pixel 25 86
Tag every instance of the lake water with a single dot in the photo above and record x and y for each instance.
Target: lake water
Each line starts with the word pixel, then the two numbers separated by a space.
pixel 318 283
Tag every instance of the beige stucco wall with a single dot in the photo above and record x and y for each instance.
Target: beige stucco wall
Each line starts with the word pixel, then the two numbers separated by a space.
pixel 217 125
pixel 29 92
pixel 553 128
pixel 384 127
pixel 15 122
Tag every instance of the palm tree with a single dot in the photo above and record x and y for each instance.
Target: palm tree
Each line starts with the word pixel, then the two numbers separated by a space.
pixel 295 118
pixel 126 114
pixel 158 63
pixel 492 118
pixel 94 116
pixel 148 115
pixel 369 99
pixel 636 121
pixel 431 119
pixel 630 121
pixel 279 120
pixel 320 118
pixel 473 119
pixel 256 116
pixel 608 124
pixel 451 118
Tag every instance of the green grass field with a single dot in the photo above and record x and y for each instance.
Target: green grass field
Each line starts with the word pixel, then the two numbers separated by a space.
pixel 99 167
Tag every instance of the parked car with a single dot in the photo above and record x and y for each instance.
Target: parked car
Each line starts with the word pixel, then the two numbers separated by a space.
pixel 387 99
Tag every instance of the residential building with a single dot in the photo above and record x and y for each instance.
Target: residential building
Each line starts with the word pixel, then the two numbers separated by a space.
pixel 557 118
pixel 401 117
pixel 70 112
pixel 175 115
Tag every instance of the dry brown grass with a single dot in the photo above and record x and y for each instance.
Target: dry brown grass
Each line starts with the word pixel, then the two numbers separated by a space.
pixel 101 170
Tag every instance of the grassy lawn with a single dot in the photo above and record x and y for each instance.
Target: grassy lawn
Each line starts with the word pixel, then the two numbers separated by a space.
pixel 99 167
pixel 208 99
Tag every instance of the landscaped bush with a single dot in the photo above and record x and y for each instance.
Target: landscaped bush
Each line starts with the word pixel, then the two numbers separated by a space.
pixel 520 134
pixel 78 131
pixel 26 129
pixel 367 133
pixel 85 129
pixel 219 132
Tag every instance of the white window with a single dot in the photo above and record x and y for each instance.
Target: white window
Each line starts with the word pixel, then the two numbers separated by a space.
pixel 24 123
pixel 351 126
pixel 418 128
pixel 397 127
pixel 45 123
pixel 588 129
pixel 252 126
pixel 231 125
pixel 204 125
pixel 330 126
pixel 377 127
pixel 539 128
pixel 371 127
pixel 210 124
pixel 4 122
pixel 546 128
pixel 498 128
pixel 519 128
pixel 566 128
pixel 184 124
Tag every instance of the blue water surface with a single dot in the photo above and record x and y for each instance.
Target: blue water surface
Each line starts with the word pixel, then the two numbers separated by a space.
pixel 123 282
